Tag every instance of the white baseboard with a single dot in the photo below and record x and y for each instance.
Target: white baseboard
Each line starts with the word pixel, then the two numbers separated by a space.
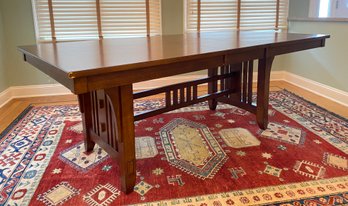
pixel 325 91
pixel 320 89
pixel 32 91
pixel 5 96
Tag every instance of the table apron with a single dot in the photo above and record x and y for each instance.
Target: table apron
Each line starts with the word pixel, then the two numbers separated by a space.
pixel 149 73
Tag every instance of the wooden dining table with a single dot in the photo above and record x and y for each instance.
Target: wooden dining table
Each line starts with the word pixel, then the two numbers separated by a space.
pixel 102 73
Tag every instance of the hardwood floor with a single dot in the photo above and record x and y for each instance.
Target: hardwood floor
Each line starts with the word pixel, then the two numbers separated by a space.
pixel 10 111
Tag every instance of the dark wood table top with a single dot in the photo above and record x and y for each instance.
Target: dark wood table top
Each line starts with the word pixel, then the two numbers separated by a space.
pixel 95 57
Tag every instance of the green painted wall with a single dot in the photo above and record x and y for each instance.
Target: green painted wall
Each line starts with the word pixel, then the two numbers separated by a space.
pixel 172 16
pixel 326 65
pixel 298 8
pixel 19 30
pixel 3 81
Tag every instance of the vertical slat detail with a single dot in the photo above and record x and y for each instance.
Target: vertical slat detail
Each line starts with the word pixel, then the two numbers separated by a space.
pixel 222 81
pixel 212 88
pixel 250 82
pixel 188 93
pixel 168 99
pixel 114 126
pixel 228 80
pixel 245 79
pixel 194 92
pixel 107 117
pixel 182 95
pixel 175 97
pixel 110 123
pixel 96 111
pixel 236 81
pixel 94 125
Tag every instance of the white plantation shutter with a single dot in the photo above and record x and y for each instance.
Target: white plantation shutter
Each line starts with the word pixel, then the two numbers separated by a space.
pixel 129 17
pixel 263 14
pixel 90 19
pixel 214 14
pixel 155 16
pixel 204 15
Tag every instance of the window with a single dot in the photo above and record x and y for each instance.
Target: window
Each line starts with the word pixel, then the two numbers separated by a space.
pixel 328 8
pixel 59 20
pixel 208 15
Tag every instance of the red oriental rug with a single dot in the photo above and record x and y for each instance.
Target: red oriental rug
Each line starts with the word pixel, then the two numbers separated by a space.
pixel 191 156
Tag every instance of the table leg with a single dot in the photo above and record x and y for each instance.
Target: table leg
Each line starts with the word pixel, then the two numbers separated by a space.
pixel 121 102
pixel 212 88
pixel 263 79
pixel 86 111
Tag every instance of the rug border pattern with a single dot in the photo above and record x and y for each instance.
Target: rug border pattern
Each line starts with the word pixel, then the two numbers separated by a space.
pixel 277 194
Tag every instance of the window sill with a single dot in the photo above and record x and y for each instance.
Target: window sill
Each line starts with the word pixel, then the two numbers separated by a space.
pixel 311 19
